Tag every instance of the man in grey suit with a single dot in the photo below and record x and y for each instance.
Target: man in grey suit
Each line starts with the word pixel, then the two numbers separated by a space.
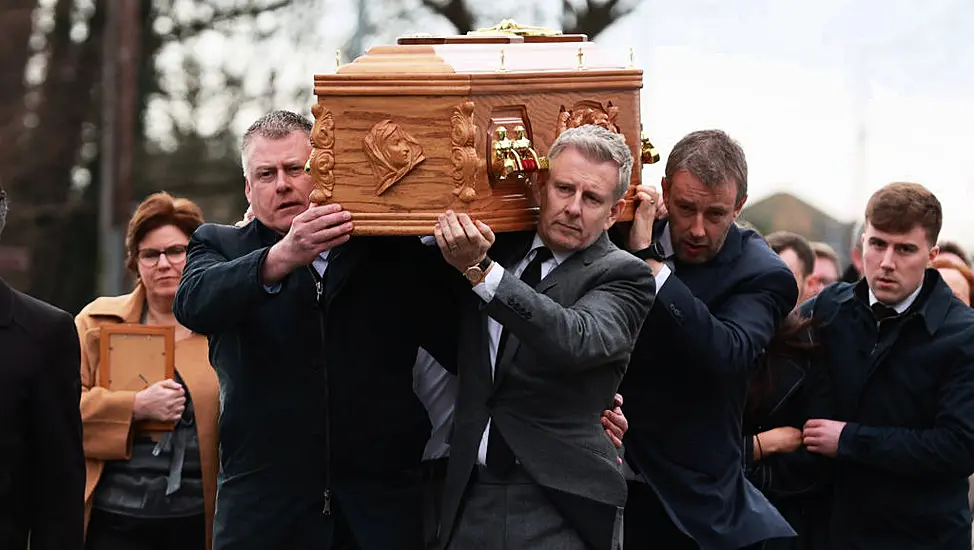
pixel 547 332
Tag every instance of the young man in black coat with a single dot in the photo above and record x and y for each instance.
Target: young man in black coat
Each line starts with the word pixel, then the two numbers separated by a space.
pixel 899 348
pixel 42 463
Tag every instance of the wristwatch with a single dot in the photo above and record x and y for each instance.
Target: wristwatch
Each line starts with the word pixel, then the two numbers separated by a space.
pixel 651 252
pixel 476 273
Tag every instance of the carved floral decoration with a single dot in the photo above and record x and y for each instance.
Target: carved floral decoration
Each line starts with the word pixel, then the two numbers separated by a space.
pixel 322 161
pixel 463 132
pixel 588 112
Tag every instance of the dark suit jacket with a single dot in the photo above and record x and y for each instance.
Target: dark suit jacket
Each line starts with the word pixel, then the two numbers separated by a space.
pixel 906 391
pixel 42 463
pixel 316 396
pixel 686 386
pixel 568 346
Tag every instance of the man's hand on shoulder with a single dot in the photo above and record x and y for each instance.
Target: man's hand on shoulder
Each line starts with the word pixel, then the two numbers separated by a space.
pixel 312 232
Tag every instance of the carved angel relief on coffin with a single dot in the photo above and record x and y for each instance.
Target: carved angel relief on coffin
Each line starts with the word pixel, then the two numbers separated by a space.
pixel 392 152
pixel 322 161
pixel 588 112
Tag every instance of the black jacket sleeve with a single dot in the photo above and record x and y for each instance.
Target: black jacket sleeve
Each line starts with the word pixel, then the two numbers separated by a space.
pixel 216 291
pixel 941 451
pixel 731 337
pixel 57 501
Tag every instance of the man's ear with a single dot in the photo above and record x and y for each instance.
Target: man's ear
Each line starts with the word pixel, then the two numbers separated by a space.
pixel 934 252
pixel 247 190
pixel 665 186
pixel 740 206
pixel 614 213
pixel 812 281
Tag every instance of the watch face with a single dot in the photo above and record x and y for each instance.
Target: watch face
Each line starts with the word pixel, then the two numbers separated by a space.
pixel 474 274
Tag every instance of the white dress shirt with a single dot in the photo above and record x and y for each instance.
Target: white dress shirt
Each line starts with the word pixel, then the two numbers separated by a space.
pixel 901 306
pixel 436 389
pixel 666 243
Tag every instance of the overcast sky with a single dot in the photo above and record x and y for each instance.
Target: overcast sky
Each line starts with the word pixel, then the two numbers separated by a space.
pixel 796 83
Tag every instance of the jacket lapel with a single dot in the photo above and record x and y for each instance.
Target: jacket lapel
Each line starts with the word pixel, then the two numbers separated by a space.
pixel 559 275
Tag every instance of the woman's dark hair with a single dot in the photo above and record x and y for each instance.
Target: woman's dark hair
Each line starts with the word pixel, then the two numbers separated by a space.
pixel 788 343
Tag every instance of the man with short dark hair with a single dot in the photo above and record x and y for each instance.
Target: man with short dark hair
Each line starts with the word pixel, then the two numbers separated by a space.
pixel 954 252
pixel 827 269
pixel 853 272
pixel 796 252
pixel 42 472
pixel 900 352
pixel 721 295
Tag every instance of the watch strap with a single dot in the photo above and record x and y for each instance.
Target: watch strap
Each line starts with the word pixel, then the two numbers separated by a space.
pixel 651 252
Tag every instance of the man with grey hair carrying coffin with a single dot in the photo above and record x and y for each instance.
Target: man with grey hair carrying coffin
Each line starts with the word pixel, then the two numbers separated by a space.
pixel 722 297
pixel 546 332
pixel 313 335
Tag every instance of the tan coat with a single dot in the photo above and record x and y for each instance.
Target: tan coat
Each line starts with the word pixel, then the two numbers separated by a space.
pixel 107 415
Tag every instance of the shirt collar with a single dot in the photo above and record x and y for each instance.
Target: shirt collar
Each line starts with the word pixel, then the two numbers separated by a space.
pixel 559 257
pixel 666 242
pixel 902 306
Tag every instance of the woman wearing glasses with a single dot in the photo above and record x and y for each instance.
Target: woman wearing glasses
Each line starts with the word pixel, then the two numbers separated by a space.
pixel 151 490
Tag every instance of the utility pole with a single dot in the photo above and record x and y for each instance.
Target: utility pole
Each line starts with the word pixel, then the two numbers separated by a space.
pixel 119 108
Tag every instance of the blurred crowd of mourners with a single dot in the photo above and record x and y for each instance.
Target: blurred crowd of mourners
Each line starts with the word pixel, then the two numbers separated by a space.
pixel 677 381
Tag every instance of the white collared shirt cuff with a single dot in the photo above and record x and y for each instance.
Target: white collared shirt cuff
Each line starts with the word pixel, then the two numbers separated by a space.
pixel 272 289
pixel 662 276
pixel 488 287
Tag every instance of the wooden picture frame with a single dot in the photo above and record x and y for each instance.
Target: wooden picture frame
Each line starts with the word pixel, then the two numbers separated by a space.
pixel 133 357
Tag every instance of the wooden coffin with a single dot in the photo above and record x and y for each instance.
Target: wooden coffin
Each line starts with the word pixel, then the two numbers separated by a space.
pixel 410 130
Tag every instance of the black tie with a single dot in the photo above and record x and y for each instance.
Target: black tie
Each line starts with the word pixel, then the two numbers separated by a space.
pixel 500 457
pixel 882 311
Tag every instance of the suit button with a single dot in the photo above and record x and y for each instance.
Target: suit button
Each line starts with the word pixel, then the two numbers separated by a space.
pixel 677 314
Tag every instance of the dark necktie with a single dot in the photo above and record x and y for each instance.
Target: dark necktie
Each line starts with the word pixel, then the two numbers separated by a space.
pixel 500 457
pixel 882 311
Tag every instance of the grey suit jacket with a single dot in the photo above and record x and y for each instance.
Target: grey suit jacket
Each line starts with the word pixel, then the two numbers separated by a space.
pixel 567 350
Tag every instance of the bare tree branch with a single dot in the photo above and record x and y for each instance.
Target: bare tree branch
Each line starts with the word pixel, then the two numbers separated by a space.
pixel 456 12
pixel 15 28
pixel 595 17
pixel 193 28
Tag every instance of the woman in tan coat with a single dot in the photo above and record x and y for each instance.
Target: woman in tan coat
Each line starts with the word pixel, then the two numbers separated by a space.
pixel 150 490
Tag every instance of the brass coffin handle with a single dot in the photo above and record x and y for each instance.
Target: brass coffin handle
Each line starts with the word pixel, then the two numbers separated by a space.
pixel 649 154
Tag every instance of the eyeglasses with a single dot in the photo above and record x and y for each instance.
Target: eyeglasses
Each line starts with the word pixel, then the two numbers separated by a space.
pixel 149 257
